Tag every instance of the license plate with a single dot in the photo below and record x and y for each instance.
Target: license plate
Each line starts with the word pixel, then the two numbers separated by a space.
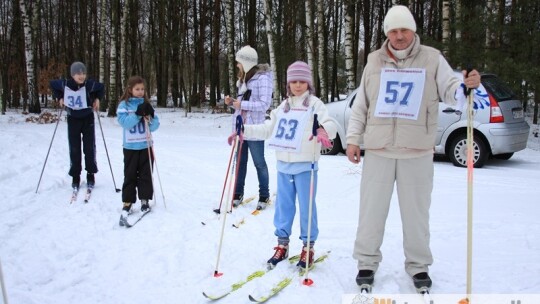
pixel 517 113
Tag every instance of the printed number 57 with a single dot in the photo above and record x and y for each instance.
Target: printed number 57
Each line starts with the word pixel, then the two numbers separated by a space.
pixel 393 92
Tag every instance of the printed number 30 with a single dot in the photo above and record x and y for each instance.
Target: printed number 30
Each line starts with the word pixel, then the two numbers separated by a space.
pixel 138 129
pixel 291 125
pixel 392 88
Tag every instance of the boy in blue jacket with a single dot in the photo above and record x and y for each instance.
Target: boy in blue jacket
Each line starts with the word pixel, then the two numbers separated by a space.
pixel 137 118
pixel 80 97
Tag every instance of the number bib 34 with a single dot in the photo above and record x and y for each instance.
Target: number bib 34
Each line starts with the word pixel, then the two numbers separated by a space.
pixel 288 131
pixel 400 93
pixel 75 100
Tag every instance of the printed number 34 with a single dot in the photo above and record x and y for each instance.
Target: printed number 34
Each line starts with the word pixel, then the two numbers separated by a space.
pixel 393 89
pixel 72 101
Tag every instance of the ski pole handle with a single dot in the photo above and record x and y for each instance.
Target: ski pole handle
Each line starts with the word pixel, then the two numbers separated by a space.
pixel 315 125
pixel 239 125
pixel 468 90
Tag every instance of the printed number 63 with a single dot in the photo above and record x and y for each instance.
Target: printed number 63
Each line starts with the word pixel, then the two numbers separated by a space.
pixel 283 124
pixel 392 88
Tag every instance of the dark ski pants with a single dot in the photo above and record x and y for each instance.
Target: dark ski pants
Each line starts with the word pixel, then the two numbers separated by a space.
pixel 76 127
pixel 137 176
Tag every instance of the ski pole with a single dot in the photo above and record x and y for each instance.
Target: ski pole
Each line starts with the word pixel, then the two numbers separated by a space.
pixel 151 153
pixel 237 143
pixel 4 293
pixel 48 151
pixel 470 167
pixel 218 210
pixel 307 281
pixel 106 151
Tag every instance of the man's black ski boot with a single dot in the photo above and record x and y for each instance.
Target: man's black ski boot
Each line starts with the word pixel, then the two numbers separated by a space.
pixel 365 279
pixel 422 282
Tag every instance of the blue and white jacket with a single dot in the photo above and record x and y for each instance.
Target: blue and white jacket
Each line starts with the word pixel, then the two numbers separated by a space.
pixel 134 128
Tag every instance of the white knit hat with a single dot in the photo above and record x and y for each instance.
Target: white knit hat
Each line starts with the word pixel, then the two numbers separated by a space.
pixel 247 56
pixel 399 16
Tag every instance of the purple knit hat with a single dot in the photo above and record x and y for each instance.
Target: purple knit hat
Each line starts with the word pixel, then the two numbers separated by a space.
pixel 300 71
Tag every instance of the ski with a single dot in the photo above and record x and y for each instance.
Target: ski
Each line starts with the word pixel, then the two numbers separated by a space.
pixel 243 203
pixel 234 287
pixel 125 223
pixel 74 195
pixel 279 286
pixel 238 223
pixel 88 193
pixel 217 211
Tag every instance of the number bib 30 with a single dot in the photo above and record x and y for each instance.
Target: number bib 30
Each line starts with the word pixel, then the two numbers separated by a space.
pixel 400 93
pixel 137 133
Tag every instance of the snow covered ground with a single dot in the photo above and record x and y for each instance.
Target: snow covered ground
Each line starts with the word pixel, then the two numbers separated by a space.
pixel 53 252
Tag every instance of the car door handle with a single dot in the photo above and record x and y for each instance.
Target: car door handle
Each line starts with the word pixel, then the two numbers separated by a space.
pixel 449 110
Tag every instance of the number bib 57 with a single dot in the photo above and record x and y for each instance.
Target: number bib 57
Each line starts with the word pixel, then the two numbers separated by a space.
pixel 289 129
pixel 75 100
pixel 400 93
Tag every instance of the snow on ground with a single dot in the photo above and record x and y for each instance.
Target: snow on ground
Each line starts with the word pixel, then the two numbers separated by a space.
pixel 53 252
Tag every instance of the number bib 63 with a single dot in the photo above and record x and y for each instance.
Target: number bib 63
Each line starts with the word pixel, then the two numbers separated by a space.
pixel 289 130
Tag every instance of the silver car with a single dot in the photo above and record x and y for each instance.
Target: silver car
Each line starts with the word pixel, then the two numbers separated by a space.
pixel 500 128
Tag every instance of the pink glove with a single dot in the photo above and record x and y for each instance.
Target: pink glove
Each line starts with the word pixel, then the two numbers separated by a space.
pixel 231 137
pixel 322 137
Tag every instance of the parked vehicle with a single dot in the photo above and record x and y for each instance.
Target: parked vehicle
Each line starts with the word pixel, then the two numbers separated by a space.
pixel 500 128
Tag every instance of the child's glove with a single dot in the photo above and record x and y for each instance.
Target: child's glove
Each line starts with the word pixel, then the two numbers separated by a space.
pixel 230 139
pixel 322 137
pixel 145 109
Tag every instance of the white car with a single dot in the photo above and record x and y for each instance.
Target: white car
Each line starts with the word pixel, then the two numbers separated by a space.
pixel 499 125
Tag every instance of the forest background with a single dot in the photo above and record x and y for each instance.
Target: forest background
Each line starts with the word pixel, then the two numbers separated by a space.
pixel 185 48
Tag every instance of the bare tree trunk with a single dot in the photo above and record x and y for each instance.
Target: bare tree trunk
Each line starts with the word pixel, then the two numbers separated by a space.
pixel 103 27
pixel 112 61
pixel 123 45
pixel 349 60
pixel 445 26
pixel 29 52
pixel 309 34
pixel 322 54
pixel 271 51
pixel 229 17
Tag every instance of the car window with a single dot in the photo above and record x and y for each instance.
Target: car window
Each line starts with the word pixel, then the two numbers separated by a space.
pixel 497 88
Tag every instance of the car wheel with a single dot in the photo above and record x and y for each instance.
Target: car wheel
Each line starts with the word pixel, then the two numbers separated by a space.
pixel 503 156
pixel 334 149
pixel 458 151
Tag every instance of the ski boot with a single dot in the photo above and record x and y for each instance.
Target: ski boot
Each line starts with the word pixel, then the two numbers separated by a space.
pixel 76 182
pixel 145 206
pixel 237 200
pixel 124 215
pixel 90 180
pixel 303 258
pixel 365 279
pixel 282 252
pixel 263 202
pixel 422 282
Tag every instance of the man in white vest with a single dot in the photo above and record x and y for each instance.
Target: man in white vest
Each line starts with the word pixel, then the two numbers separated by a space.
pixel 395 116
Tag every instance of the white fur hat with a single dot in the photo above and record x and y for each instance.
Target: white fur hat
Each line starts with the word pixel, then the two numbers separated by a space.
pixel 247 56
pixel 399 16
